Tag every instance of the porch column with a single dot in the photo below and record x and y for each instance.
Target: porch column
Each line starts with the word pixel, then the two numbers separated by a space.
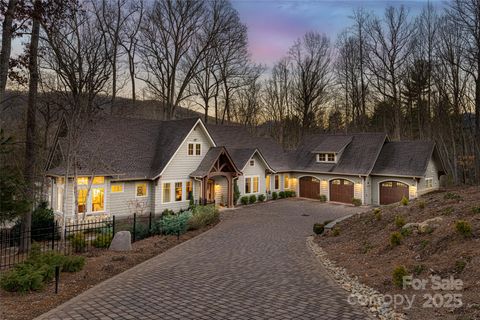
pixel 229 191
pixel 204 190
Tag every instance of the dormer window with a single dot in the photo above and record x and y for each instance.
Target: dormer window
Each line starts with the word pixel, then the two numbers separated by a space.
pixel 326 157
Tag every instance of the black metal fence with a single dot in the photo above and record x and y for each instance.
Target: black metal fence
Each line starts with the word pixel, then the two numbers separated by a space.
pixel 79 237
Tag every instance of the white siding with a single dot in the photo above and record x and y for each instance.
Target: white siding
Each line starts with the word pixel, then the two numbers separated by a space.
pixel 124 203
pixel 432 173
pixel 257 170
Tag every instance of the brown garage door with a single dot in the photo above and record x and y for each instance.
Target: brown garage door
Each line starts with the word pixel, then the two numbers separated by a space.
pixel 392 191
pixel 309 187
pixel 341 190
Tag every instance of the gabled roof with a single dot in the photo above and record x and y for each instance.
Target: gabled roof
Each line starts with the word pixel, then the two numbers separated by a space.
pixel 358 156
pixel 242 156
pixel 404 158
pixel 332 143
pixel 209 160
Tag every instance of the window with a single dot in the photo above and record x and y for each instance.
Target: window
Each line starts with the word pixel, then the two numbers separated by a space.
pixel 82 200
pixel 178 191
pixel 428 183
pixel 116 187
pixel 98 199
pixel 82 181
pixel 166 192
pixel 252 163
pixel 98 180
pixel 189 190
pixel 198 149
pixel 267 183
pixel 248 185
pixel 326 157
pixel 277 182
pixel 387 184
pixel 141 190
pixel 286 181
pixel 190 149
pixel 255 184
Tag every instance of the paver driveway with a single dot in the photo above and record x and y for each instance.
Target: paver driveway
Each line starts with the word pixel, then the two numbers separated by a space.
pixel 254 265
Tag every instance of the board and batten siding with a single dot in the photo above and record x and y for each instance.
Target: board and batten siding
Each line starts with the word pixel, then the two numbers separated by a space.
pixel 179 169
pixel 257 170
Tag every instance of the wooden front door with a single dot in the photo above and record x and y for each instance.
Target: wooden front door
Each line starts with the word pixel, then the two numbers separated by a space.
pixel 392 191
pixel 341 190
pixel 309 187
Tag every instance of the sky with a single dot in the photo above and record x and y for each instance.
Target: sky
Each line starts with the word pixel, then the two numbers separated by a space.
pixel 274 25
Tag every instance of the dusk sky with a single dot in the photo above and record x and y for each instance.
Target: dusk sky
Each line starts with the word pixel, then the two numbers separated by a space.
pixel 273 26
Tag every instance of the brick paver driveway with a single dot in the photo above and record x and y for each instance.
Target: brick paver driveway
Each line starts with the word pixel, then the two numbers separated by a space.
pixel 254 265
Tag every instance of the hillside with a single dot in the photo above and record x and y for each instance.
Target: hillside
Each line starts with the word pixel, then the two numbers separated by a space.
pixel 436 248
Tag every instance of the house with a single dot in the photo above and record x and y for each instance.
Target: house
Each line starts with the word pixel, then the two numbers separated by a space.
pixel 126 165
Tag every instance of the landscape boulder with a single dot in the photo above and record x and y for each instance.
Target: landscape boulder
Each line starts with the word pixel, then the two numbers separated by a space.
pixel 424 226
pixel 122 241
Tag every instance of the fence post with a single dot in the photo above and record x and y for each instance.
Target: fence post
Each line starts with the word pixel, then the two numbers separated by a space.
pixel 54 225
pixel 134 226
pixel 113 226
pixel 150 223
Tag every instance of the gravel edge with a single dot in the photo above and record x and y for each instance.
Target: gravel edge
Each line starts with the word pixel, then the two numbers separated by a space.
pixel 356 289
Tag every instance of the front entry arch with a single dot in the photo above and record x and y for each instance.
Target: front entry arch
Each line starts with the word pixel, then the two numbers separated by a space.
pixel 342 190
pixel 309 187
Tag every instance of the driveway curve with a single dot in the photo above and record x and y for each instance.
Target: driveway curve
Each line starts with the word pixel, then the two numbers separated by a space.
pixel 254 265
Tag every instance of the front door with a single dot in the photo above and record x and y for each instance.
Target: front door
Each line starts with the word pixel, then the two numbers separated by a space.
pixel 210 191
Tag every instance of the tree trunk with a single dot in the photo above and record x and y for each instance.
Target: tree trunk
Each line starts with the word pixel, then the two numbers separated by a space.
pixel 7 32
pixel 30 152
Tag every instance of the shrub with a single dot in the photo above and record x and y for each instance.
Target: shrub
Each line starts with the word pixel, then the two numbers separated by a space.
pixel 168 212
pixel 78 242
pixel 405 201
pixel 406 232
pixel 418 269
pixel 73 263
pixel 336 231
pixel 356 202
pixel 460 265
pixel 318 228
pixel 452 196
pixel 449 211
pixel 424 244
pixel 281 194
pixel 252 199
pixel 395 239
pixel 399 221
pixel 322 198
pixel 464 228
pixel 203 216
pixel 293 194
pixel 398 274
pixel 141 231
pixel 274 195
pixel 378 214
pixel 22 278
pixel 261 198
pixel 172 224
pixel 289 193
pixel 476 210
pixel 102 240
pixel 42 222
pixel 422 205
pixel 244 200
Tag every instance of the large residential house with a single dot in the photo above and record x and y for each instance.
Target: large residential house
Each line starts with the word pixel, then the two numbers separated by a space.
pixel 124 165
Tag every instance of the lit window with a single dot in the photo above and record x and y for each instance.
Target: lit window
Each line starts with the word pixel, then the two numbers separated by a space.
pixel 98 199
pixel 255 184
pixel 336 182
pixel 252 163
pixel 117 187
pixel 178 191
pixel 428 183
pixel 277 182
pixel 189 190
pixel 190 149
pixel 166 192
pixel 248 185
pixel 387 184
pixel 82 200
pixel 198 149
pixel 82 181
pixel 141 189
pixel 99 180
pixel 267 183
pixel 286 182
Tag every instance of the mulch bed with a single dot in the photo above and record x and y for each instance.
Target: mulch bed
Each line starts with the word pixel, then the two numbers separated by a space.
pixel 100 265
pixel 363 248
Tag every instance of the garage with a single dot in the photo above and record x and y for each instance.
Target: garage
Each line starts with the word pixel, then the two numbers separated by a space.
pixel 341 190
pixel 309 187
pixel 392 191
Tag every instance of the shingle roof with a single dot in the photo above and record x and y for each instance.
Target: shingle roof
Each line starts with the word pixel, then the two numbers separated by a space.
pixel 207 162
pixel 404 158
pixel 128 147
pixel 332 143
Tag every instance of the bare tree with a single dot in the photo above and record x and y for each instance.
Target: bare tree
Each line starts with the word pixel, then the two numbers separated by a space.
pixel 7 35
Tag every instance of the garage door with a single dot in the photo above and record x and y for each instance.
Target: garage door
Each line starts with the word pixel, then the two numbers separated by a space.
pixel 309 187
pixel 392 191
pixel 341 190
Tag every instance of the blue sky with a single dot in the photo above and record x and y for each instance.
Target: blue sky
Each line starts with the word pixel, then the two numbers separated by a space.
pixel 273 26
